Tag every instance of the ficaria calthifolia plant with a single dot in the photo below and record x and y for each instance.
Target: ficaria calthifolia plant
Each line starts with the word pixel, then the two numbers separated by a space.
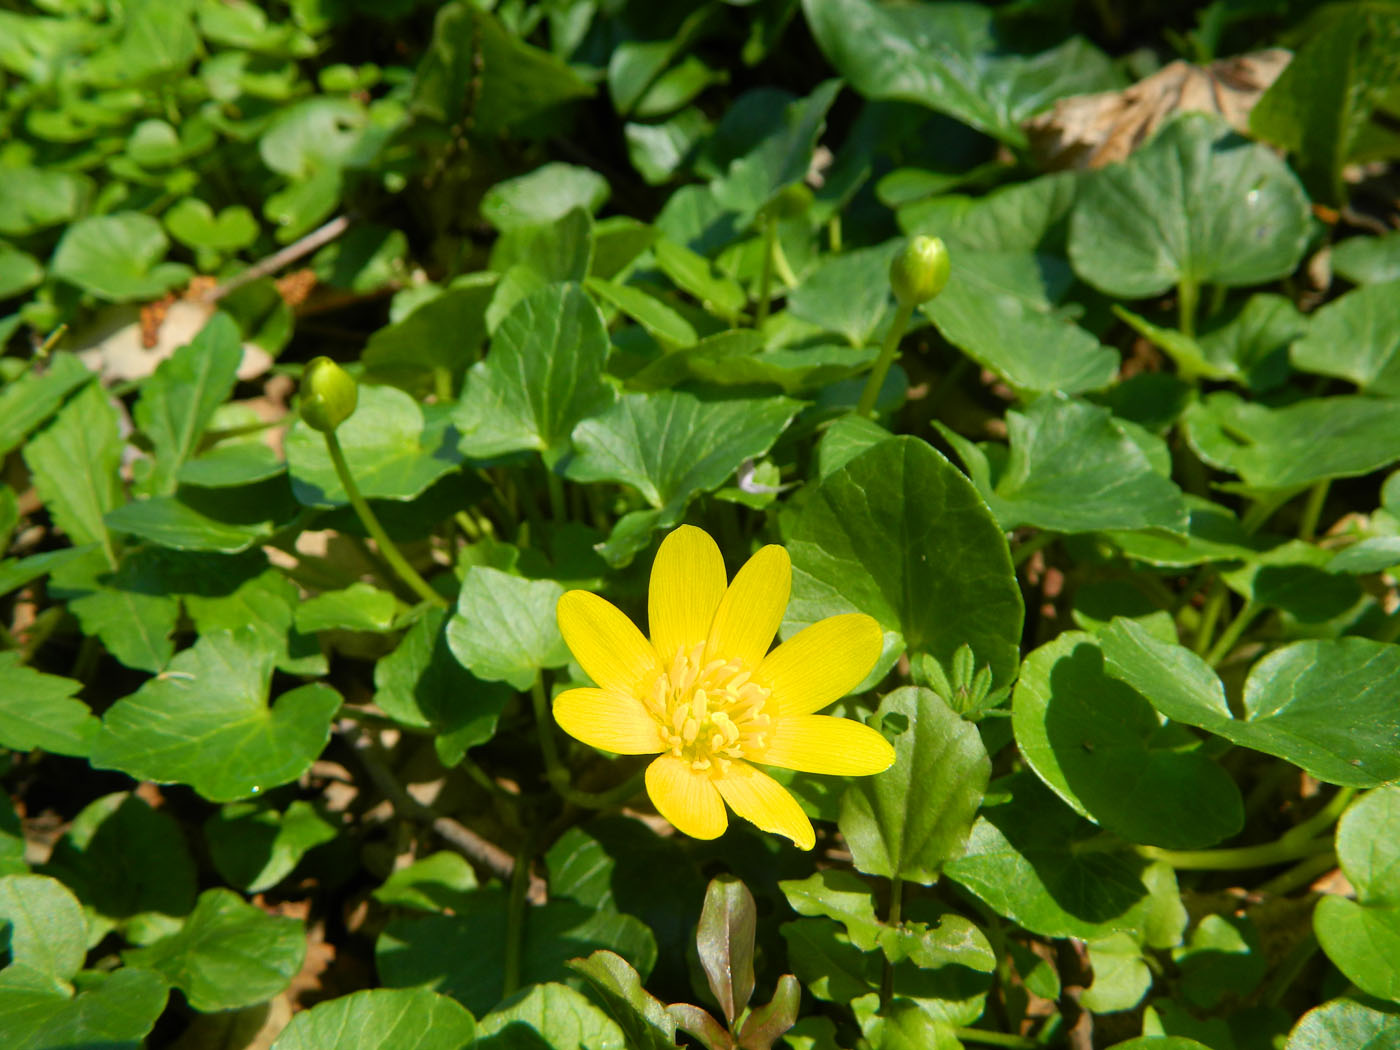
pixel 707 696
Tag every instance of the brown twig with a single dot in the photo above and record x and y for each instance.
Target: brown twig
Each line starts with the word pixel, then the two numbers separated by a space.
pixel 271 264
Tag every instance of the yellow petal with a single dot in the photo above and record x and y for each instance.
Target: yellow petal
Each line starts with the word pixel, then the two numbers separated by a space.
pixel 752 607
pixel 605 642
pixel 822 744
pixel 759 798
pixel 686 798
pixel 821 663
pixel 615 722
pixel 687 583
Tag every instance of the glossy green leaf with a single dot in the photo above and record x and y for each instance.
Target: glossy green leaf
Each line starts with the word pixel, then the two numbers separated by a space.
pixel 671 445
pixel 1121 975
pixel 38 711
pixel 394 446
pixel 826 962
pixel 949 57
pixel 1197 205
pixel 179 400
pixel 225 520
pixel 660 321
pixel 118 607
pixel 462 955
pixel 19 271
pixel 475 66
pixel 1368 846
pixel 544 195
pixel 549 1015
pixel 206 722
pixel 47 932
pixel 543 374
pixel 74 461
pixel 1363 941
pixel 29 400
pixel 1298 444
pixel 264 604
pixel 1098 744
pixel 446 332
pixel 36 197
pixel 255 847
pixel 1319 107
pixel 694 274
pixel 1222 957
pixel 421 684
pixel 359 607
pixel 644 1022
pixel 228 954
pixel 386 1018
pixel 840 895
pixel 504 628
pixel 129 866
pixel 1073 467
pixel 117 257
pixel 1022 860
pixel 1368 260
pixel 780 157
pixel 191 221
pixel 1346 1023
pixel 911 819
pixel 1328 706
pixel 900 534
pixel 1212 534
pixel 848 294
pixel 438 882
pixel 1001 308
pixel 115 1013
pixel 1357 338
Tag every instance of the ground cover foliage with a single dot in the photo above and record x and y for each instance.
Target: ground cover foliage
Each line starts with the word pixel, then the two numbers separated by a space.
pixel 275 723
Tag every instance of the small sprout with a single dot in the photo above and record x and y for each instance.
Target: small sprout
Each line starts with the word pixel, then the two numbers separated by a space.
pixel 328 395
pixel 920 271
pixel 962 685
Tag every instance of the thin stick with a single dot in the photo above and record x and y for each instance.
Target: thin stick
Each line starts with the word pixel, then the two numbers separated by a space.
pixel 274 262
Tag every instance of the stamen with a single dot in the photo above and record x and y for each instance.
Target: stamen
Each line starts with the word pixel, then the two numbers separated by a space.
pixel 709 712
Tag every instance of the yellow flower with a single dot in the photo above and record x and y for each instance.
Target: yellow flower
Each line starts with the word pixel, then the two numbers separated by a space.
pixel 704 696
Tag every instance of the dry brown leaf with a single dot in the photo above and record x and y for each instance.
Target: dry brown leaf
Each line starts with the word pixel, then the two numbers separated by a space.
pixel 128 342
pixel 1089 131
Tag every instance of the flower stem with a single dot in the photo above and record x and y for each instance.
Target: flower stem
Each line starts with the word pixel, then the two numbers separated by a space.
pixel 515 921
pixel 888 352
pixel 1187 293
pixel 387 547
pixel 765 280
pixel 893 918
pixel 555 484
pixel 1312 510
pixel 1231 635
pixel 1238 858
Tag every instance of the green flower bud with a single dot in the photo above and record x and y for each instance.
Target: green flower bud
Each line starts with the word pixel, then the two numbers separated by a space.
pixel 328 395
pixel 919 271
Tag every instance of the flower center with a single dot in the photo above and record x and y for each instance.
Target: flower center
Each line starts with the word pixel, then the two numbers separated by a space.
pixel 709 713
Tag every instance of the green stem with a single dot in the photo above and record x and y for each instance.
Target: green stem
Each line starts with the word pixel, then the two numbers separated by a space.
pixel 1231 635
pixel 1312 510
pixel 893 917
pixel 986 1038
pixel 557 507
pixel 1187 294
pixel 558 775
pixel 387 547
pixel 765 280
pixel 1238 858
pixel 781 264
pixel 1215 602
pixel 1302 873
pixel 1264 507
pixel 888 352
pixel 833 234
pixel 515 921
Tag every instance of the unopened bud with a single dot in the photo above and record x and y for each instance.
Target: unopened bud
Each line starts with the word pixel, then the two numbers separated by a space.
pixel 919 271
pixel 328 395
